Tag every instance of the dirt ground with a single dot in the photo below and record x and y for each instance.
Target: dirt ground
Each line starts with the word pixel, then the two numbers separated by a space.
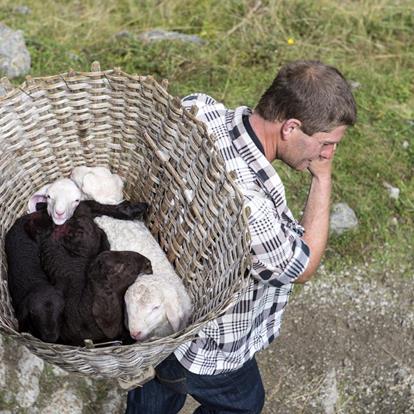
pixel 346 346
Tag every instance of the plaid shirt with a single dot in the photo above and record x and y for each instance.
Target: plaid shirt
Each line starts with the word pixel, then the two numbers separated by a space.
pixel 279 255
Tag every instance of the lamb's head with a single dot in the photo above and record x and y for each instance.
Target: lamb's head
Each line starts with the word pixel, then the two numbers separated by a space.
pixel 45 313
pixel 81 237
pixel 62 198
pixel 99 184
pixel 152 309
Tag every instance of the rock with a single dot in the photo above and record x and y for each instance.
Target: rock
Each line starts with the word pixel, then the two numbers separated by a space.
pixel 14 56
pixel 115 402
pixel 330 392
pixel 354 85
pixel 73 56
pixel 59 372
pixel 405 144
pixel 30 368
pixel 64 401
pixel 22 10
pixel 393 192
pixel 158 35
pixel 394 221
pixel 342 218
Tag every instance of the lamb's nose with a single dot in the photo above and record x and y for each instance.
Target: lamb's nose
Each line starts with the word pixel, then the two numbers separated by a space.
pixel 136 334
pixel 59 213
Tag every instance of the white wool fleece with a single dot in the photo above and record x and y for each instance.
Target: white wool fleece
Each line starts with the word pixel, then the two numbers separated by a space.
pixel 99 184
pixel 134 235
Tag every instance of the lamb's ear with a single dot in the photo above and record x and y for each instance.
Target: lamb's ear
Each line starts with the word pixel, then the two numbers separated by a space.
pixel 37 197
pixel 107 312
pixel 174 312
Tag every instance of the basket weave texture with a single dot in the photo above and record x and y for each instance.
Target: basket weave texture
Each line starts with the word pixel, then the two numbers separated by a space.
pixel 131 125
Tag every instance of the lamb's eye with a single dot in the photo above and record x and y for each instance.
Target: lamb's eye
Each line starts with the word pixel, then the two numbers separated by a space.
pixel 48 196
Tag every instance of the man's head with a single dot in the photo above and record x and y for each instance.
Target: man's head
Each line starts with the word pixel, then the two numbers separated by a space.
pixel 310 104
pixel 312 92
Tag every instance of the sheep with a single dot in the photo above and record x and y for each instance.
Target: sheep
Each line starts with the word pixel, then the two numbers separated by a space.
pixel 156 305
pixel 38 305
pixel 62 198
pixel 99 184
pixel 67 250
pixel 165 306
pixel 97 313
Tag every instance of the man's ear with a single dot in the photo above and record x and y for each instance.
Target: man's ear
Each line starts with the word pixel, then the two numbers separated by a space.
pixel 289 127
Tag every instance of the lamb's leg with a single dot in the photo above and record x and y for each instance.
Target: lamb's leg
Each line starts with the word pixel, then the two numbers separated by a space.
pixel 124 211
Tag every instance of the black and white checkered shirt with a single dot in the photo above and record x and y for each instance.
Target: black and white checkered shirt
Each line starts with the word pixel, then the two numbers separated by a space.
pixel 279 255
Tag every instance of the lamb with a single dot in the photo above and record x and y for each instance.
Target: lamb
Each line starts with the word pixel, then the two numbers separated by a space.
pixel 97 313
pixel 38 305
pixel 99 184
pixel 67 250
pixel 156 305
pixel 165 306
pixel 62 198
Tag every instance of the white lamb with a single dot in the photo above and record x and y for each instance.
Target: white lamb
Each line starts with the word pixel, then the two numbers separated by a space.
pixel 62 198
pixel 99 184
pixel 157 304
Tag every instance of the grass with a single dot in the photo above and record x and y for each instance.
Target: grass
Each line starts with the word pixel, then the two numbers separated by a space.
pixel 370 41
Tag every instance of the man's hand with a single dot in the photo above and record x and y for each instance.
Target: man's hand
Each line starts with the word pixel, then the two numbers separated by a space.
pixel 322 166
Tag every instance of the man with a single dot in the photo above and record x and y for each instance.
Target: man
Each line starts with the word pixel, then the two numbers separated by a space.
pixel 299 120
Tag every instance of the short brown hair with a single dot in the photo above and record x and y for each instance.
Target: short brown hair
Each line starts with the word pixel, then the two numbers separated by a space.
pixel 316 94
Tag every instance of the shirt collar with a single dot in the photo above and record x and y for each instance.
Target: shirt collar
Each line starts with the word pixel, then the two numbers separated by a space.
pixel 268 178
pixel 247 149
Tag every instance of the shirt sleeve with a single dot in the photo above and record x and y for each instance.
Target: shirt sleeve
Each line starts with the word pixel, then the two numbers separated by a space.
pixel 279 255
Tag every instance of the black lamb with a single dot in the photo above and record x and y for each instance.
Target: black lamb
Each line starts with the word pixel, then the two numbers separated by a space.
pixel 38 305
pixel 97 313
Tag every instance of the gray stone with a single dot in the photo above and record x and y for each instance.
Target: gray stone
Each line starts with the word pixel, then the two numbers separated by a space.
pixel 64 401
pixel 159 34
pixel 22 10
pixel 405 144
pixel 330 392
pixel 14 56
pixel 30 368
pixel 342 218
pixel 393 192
pixel 354 85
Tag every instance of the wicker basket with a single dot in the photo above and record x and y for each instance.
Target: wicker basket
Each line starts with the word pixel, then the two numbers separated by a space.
pixel 132 125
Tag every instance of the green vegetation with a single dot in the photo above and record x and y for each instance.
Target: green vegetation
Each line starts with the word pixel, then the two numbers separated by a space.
pixel 370 41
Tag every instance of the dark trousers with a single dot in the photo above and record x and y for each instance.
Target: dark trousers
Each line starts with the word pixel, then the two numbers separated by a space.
pixel 238 391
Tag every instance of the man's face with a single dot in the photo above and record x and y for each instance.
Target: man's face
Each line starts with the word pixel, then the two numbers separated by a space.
pixel 302 149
